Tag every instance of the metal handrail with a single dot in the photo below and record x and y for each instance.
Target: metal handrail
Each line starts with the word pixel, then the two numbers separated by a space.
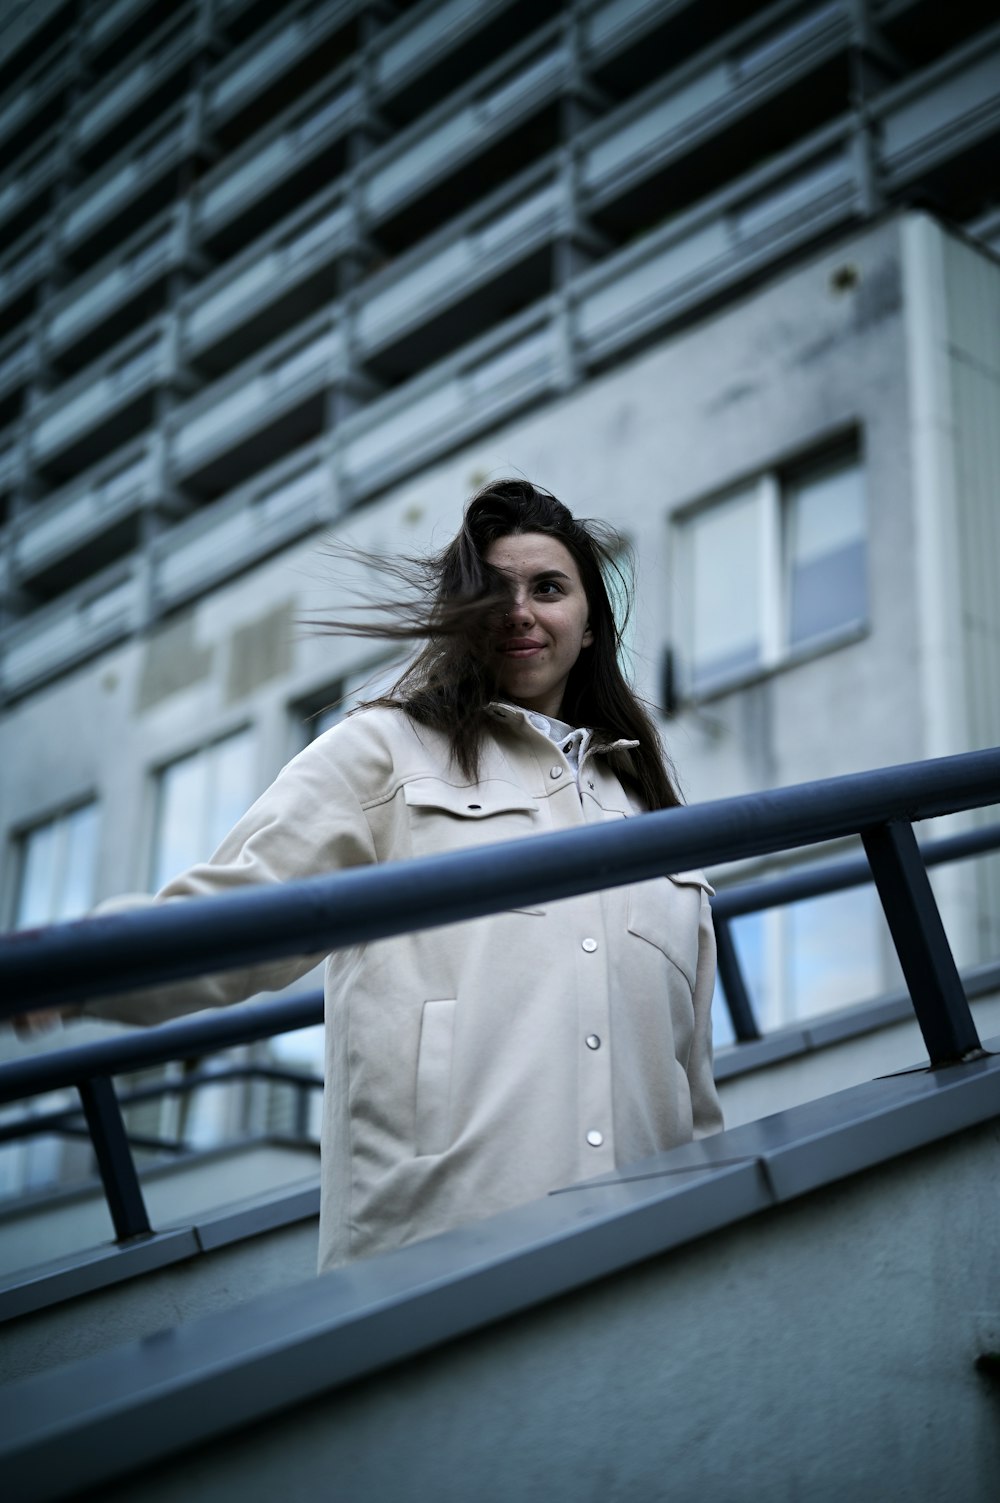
pixel 117 952
pixel 126 950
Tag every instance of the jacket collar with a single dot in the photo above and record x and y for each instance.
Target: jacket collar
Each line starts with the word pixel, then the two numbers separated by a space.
pixel 516 717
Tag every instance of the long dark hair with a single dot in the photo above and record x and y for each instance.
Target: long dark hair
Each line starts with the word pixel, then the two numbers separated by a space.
pixel 450 683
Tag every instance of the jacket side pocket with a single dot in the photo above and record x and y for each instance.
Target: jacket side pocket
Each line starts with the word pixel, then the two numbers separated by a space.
pixel 432 1128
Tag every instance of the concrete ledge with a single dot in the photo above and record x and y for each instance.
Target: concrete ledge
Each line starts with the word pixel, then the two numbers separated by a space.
pixel 86 1424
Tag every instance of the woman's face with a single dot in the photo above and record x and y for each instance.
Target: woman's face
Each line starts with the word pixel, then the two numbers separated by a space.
pixel 547 626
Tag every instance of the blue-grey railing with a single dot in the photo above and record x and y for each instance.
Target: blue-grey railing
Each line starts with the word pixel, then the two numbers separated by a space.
pixel 69 962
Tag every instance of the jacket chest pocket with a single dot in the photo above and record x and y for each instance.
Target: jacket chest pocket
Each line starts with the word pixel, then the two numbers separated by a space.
pixel 666 913
pixel 444 817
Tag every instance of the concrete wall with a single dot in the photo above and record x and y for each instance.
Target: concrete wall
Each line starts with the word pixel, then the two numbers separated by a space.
pixel 824 1350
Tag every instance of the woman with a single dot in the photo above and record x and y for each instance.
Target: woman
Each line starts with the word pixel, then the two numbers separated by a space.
pixel 476 1066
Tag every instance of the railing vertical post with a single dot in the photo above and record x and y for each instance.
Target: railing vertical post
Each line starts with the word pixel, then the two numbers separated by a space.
pixel 929 969
pixel 733 984
pixel 114 1157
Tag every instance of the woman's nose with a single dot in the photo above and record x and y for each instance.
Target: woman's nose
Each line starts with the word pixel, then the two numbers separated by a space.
pixel 520 611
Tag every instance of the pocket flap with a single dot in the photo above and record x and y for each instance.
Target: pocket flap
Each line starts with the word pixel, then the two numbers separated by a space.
pixel 471 801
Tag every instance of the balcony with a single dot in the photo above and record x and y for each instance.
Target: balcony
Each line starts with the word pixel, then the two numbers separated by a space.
pixel 463 280
pixel 22 268
pixel 273 402
pixel 115 27
pixel 450 156
pixel 86 524
pixel 438 45
pixel 28 34
pixel 949 111
pixel 124 287
pixel 27 186
pixel 148 81
pixel 105 405
pixel 10 458
pixel 490 380
pixel 103 611
pixel 691 132
pixel 283 503
pixel 806 193
pixel 302 45
pixel 275 169
pixel 125 193
pixel 18 354
pixel 39 91
pixel 279 280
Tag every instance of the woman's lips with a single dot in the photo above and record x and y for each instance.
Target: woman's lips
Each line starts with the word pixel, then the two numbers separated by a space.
pixel 522 649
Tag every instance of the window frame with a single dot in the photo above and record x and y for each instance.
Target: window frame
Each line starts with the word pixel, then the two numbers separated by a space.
pixel 155 777
pixel 21 833
pixel 773 488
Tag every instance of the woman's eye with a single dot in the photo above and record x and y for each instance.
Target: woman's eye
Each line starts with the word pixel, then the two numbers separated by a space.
pixel 548 587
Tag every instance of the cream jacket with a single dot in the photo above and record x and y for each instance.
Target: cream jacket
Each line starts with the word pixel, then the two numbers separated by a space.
pixel 476 1066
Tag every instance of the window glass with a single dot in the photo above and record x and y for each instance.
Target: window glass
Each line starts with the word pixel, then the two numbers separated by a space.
pixel 748 941
pixel 58 867
pixel 367 683
pixel 833 952
pixel 200 798
pixel 724 589
pixel 827 563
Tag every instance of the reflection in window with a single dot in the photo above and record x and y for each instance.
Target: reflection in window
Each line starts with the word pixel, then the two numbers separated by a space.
pixel 770 569
pixel 200 798
pixel 58 868
pixel 810 958
pixel 725 590
pixel 827 565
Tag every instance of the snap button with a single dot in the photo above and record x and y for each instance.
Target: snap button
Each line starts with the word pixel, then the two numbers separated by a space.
pixel 555 772
pixel 592 1041
pixel 595 1138
pixel 590 945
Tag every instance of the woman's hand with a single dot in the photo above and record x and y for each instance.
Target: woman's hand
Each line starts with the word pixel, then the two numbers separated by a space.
pixel 30 1025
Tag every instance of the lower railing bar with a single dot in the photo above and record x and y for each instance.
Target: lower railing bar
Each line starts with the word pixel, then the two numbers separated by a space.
pixel 733 984
pixel 928 965
pixel 839 875
pixel 114 1158
pixel 187 1037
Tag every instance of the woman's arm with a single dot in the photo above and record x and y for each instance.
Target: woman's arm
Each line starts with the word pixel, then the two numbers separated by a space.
pixel 310 821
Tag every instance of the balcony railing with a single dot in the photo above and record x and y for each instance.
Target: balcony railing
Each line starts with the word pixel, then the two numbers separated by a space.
pixel 23 264
pixel 312 126
pixel 289 372
pixel 287 501
pixel 144 73
pixel 302 249
pixel 87 620
pixel 35 92
pixel 242 76
pixel 92 504
pixel 124 378
pixel 135 173
pixel 175 940
pixel 149 255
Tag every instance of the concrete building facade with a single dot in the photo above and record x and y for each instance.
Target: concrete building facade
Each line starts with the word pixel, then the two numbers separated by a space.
pixel 723 275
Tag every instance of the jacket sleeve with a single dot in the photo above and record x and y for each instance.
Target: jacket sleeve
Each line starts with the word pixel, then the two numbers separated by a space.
pixel 309 822
pixel 705 1107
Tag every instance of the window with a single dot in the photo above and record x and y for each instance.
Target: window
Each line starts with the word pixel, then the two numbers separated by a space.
pixel 811 957
pixel 773 569
pixel 329 707
pixel 57 868
pixel 199 798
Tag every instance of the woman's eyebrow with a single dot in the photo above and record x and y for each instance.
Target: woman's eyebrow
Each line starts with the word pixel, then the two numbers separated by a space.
pixel 548 574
